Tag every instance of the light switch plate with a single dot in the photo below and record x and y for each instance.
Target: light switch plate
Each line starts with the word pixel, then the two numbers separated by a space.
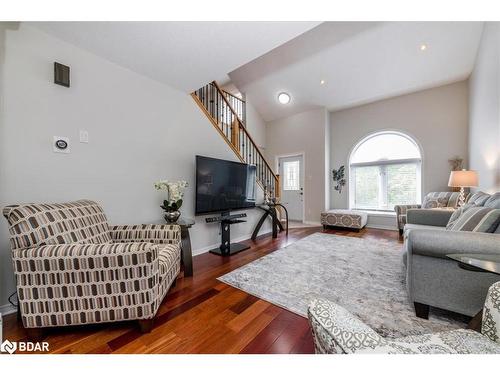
pixel 84 136
pixel 60 144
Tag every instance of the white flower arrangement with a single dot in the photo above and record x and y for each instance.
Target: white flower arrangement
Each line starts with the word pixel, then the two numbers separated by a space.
pixel 175 193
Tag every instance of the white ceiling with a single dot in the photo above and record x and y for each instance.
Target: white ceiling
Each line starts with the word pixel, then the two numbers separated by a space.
pixel 361 62
pixel 185 55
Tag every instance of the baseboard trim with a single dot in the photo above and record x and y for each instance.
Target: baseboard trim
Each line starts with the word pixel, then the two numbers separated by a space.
pixel 7 310
pixel 206 249
pixel 312 223
pixel 385 227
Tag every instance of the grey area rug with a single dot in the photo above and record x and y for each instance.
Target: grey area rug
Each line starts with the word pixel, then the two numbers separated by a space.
pixel 364 275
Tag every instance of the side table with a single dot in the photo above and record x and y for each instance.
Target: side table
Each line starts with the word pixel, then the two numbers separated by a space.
pixel 477 263
pixel 186 252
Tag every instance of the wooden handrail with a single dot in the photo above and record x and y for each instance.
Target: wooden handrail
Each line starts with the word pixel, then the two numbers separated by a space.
pixel 244 129
pixel 232 95
pixel 217 106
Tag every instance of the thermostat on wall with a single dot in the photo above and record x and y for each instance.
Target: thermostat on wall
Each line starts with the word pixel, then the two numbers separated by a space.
pixel 61 144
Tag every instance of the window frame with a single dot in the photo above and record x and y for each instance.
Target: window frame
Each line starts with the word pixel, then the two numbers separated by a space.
pixel 285 178
pixel 382 207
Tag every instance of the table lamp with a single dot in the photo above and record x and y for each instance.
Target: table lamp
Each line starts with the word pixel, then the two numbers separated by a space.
pixel 463 179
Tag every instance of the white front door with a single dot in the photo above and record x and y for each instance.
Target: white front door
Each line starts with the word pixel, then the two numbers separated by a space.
pixel 292 183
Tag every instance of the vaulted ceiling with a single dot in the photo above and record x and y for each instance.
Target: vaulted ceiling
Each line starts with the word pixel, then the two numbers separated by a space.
pixel 359 62
pixel 185 55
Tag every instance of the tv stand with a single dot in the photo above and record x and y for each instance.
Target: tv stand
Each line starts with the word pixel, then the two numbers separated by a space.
pixel 227 248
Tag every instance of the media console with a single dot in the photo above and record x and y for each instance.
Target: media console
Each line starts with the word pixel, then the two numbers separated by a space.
pixel 226 220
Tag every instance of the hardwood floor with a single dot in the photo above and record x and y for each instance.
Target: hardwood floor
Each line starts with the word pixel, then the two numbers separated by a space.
pixel 201 314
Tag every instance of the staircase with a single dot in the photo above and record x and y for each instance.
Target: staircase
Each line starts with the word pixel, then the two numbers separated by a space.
pixel 226 112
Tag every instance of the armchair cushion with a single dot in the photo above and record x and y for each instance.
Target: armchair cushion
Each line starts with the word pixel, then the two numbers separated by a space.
pixel 86 283
pixel 33 225
pixel 155 233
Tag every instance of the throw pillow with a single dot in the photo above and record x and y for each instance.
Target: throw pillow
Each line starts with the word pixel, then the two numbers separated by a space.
pixel 478 198
pixel 435 202
pixel 475 219
pixel 493 201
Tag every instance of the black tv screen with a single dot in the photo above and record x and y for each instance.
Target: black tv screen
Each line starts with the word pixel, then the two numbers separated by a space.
pixel 223 185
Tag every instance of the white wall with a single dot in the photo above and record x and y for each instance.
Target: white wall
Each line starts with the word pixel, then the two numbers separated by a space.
pixel 255 124
pixel 437 118
pixel 484 117
pixel 140 131
pixel 303 133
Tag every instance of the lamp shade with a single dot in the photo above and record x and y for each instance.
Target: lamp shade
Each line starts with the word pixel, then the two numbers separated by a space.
pixel 463 178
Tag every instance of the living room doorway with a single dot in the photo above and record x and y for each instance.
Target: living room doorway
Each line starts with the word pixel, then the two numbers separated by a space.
pixel 291 170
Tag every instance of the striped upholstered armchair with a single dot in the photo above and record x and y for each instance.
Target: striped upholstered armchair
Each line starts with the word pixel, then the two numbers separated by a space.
pixel 72 268
pixel 446 199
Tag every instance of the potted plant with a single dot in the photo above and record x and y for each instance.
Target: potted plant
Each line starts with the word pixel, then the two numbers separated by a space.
pixel 175 193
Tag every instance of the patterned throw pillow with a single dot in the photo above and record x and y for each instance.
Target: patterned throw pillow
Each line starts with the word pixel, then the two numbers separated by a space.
pixel 475 219
pixel 435 202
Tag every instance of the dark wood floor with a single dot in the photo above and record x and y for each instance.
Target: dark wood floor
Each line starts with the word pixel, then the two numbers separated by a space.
pixel 201 314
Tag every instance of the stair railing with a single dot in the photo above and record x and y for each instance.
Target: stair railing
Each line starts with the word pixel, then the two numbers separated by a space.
pixel 219 109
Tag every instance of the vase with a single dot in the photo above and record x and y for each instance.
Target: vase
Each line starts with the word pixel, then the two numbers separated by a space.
pixel 172 216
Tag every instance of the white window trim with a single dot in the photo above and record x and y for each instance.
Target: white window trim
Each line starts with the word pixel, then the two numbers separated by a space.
pixel 351 176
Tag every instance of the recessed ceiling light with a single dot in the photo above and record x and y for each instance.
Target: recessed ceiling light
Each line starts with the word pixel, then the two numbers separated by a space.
pixel 322 82
pixel 423 47
pixel 283 98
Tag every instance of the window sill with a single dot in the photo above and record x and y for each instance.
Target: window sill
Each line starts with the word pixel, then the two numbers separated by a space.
pixel 377 213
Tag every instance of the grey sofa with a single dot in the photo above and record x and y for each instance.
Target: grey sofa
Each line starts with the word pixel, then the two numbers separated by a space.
pixel 432 279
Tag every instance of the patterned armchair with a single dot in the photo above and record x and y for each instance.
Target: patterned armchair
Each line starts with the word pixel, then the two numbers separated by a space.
pixel 72 268
pixel 445 199
pixel 336 331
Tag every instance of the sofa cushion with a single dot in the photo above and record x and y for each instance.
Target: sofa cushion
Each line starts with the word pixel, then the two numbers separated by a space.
pixel 33 225
pixel 479 198
pixel 475 219
pixel 493 201
pixel 420 226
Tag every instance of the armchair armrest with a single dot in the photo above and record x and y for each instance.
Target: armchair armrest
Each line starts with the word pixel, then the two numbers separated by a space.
pixel 92 281
pixel 490 325
pixel 401 209
pixel 439 243
pixel 154 233
pixel 425 216
pixel 335 330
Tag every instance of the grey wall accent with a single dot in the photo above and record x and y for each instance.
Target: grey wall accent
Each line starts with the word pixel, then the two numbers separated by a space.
pixel 437 118
pixel 140 131
pixel 484 116
pixel 304 133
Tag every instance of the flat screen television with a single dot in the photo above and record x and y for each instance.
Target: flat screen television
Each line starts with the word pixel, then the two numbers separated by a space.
pixel 223 185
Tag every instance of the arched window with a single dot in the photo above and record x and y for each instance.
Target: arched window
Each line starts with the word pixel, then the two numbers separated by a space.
pixel 384 170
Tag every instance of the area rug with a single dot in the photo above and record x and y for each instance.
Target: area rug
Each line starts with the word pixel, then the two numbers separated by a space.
pixel 364 275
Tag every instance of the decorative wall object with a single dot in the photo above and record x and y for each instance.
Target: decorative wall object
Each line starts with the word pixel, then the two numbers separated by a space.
pixel 61 74
pixel 456 163
pixel 339 178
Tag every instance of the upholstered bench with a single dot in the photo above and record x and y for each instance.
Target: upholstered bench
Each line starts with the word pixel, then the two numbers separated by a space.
pixel 344 218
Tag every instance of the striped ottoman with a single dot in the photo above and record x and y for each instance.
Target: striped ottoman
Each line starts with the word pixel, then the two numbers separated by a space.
pixel 344 218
